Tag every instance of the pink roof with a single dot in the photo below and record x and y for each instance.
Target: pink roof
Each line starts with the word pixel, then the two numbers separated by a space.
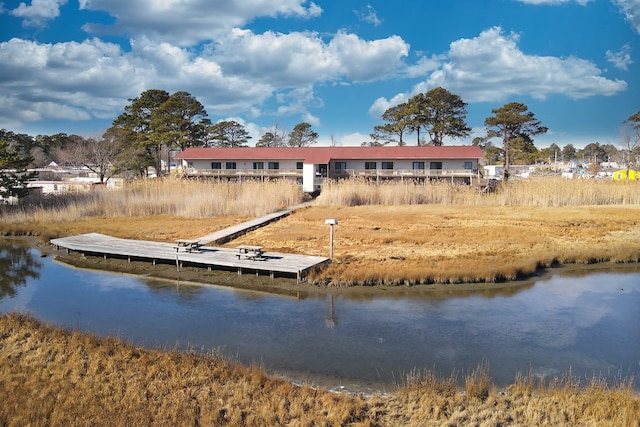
pixel 322 155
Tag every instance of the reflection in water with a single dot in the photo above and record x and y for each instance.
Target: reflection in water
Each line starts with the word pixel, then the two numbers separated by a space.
pixel 331 321
pixel 17 264
pixel 586 324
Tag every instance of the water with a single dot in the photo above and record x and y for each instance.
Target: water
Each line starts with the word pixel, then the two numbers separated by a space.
pixel 368 340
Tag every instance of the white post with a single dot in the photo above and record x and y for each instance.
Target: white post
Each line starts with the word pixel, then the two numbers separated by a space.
pixel 331 223
pixel 331 243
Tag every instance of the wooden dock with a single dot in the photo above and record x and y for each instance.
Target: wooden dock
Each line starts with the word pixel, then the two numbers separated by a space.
pixel 212 258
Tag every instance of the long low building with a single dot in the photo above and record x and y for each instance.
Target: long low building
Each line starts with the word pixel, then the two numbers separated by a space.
pixel 310 166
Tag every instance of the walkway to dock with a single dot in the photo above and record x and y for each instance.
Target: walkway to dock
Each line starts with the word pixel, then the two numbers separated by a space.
pixel 227 234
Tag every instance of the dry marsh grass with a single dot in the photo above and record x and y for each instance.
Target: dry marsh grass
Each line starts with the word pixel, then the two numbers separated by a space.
pixel 153 209
pixel 50 376
pixel 415 244
pixel 544 192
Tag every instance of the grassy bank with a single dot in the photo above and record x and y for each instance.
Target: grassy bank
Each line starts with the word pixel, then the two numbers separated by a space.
pixel 440 233
pixel 50 376
pixel 454 244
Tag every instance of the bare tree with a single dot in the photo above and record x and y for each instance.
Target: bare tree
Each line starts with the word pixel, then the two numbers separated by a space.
pixel 272 138
pixel 631 140
pixel 99 154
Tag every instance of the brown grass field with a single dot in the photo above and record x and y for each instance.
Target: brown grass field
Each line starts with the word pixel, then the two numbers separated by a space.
pixel 387 234
pixel 53 377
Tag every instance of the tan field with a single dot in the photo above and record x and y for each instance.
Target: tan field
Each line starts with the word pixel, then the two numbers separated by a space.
pixel 451 244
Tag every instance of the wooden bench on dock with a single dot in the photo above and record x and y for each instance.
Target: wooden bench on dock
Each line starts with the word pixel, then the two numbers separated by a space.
pixel 250 252
pixel 188 245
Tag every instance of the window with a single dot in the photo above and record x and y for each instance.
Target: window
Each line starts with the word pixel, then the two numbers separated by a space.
pixel 387 165
pixel 418 165
pixel 468 165
pixel 216 165
pixel 435 165
pixel 230 165
pixel 299 165
pixel 258 165
pixel 369 165
pixel 274 165
pixel 341 165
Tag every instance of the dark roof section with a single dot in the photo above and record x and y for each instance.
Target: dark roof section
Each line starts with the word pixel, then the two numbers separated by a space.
pixel 321 155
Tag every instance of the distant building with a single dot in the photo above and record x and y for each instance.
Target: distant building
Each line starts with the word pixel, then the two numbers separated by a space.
pixel 60 187
pixel 609 165
pixel 310 166
pixel 73 185
pixel 493 171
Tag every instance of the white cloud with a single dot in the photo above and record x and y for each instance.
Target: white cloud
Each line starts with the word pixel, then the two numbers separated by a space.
pixel 423 66
pixel 311 119
pixel 187 22
pixel 620 59
pixel 296 101
pixel 369 15
pixel 631 9
pixel 381 104
pixel 362 60
pixel 235 75
pixel 492 68
pixel 352 139
pixel 303 58
pixel 38 12
pixel 284 59
pixel 71 80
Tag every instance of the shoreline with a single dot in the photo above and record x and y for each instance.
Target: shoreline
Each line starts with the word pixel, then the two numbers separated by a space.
pixel 289 287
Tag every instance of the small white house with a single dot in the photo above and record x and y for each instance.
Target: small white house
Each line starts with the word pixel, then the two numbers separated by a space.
pixel 73 185
pixel 493 171
pixel 60 187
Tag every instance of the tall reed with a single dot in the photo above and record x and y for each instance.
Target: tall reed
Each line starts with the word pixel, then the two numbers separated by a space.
pixel 544 191
pixel 174 197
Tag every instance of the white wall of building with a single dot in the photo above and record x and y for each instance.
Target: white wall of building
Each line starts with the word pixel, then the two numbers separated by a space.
pixel 309 178
pixel 242 164
pixel 407 164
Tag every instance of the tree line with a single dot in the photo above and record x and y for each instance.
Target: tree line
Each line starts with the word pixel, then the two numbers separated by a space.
pixel 151 128
pixel 439 114
pixel 156 124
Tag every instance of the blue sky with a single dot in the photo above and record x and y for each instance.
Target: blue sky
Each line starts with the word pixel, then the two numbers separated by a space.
pixel 71 66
